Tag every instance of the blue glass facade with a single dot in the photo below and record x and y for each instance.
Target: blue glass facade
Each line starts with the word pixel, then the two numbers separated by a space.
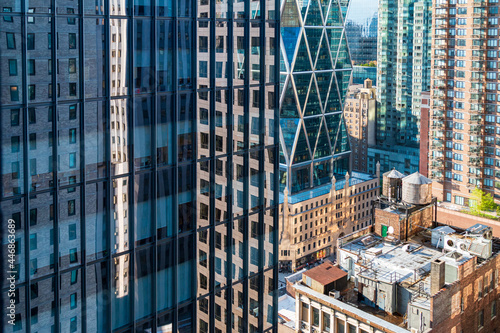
pixel 361 28
pixel 139 164
pixel 315 71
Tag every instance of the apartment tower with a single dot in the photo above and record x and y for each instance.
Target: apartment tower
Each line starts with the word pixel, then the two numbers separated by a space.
pixel 465 100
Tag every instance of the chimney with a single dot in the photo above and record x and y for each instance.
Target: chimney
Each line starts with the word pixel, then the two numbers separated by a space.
pixel 368 83
pixel 437 276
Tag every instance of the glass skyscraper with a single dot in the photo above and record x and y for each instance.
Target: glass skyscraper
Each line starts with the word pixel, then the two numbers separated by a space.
pixel 315 73
pixel 139 164
pixel 403 73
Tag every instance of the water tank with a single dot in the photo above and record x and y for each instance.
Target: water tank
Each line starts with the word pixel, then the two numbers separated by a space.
pixel 417 189
pixel 391 186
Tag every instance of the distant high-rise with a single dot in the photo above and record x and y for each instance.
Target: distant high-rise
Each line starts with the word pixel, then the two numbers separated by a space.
pixel 403 65
pixel 463 136
pixel 139 162
pixel 361 29
pixel 359 111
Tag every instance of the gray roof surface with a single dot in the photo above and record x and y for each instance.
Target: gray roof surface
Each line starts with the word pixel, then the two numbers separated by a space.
pixel 360 313
pixel 417 178
pixel 394 174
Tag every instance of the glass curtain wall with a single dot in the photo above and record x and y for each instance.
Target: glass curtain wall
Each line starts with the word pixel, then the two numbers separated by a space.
pixel 138 163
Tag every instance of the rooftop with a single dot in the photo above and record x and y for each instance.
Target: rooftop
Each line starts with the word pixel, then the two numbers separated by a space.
pixel 286 309
pixel 407 263
pixel 350 309
pixel 355 178
pixel 392 262
pixel 325 273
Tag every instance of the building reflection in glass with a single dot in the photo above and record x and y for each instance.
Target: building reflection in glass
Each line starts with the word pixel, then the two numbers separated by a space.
pixel 139 148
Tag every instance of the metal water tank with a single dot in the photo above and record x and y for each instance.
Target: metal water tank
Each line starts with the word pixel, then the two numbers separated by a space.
pixel 391 184
pixel 417 189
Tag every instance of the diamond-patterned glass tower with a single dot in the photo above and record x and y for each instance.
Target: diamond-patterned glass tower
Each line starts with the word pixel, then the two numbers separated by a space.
pixel 315 73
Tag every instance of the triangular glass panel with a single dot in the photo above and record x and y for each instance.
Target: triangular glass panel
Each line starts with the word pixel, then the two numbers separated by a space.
pixel 302 152
pixel 302 82
pixel 323 145
pixel 302 61
pixel 289 130
pixel 314 15
pixel 290 37
pixel 282 83
pixel 343 78
pixel 303 7
pixel 344 5
pixel 324 6
pixel 343 59
pixel 324 61
pixel 323 80
pixel 282 154
pixel 333 104
pixel 343 139
pixel 282 62
pixel 312 129
pixel 334 15
pixel 313 38
pixel 322 173
pixel 289 105
pixel 290 15
pixel 332 122
pixel 334 35
pixel 312 105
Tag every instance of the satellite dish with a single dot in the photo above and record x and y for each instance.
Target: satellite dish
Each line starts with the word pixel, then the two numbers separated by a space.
pixel 391 230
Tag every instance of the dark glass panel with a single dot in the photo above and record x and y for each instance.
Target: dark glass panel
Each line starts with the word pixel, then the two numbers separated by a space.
pixel 95 57
pixel 144 71
pixel 143 208
pixel 69 222
pixel 143 112
pixel 96 223
pixel 165 276
pixel 143 283
pixel 164 205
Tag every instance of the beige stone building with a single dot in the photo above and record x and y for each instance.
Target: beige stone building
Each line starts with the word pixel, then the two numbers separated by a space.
pixel 311 222
pixel 359 111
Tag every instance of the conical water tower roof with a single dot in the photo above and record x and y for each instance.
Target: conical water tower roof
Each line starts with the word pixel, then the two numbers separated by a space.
pixel 394 174
pixel 417 178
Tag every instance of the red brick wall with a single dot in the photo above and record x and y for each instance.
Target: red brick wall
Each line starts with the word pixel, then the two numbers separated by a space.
pixel 424 141
pixel 446 305
pixel 461 220
pixel 422 217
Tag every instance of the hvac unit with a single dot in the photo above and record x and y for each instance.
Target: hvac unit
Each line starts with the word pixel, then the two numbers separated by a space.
pixel 480 230
pixel 450 243
pixel 481 247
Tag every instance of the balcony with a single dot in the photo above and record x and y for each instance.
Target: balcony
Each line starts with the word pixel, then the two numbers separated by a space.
pixel 478 47
pixel 440 66
pixel 477 100
pixel 479 14
pixel 475 130
pixel 475 154
pixel 437 126
pixel 442 76
pixel 475 162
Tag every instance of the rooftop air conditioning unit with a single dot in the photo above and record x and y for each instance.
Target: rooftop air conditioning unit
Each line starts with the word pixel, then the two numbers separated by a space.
pixel 480 230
